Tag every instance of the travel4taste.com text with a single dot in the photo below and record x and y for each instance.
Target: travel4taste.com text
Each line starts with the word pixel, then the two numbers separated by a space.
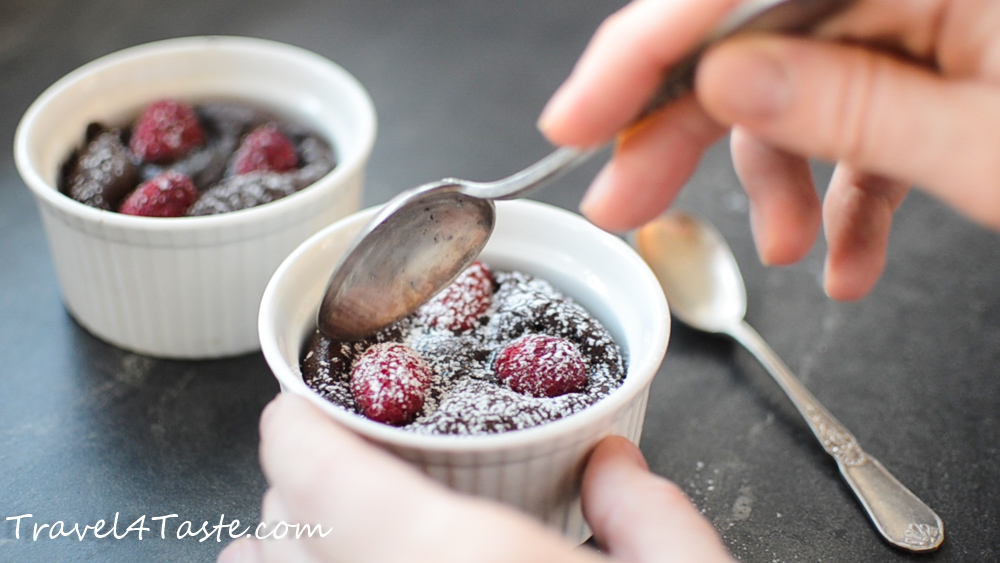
pixel 169 527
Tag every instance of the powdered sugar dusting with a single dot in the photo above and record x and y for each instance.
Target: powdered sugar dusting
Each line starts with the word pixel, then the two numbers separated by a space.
pixel 541 366
pixel 390 382
pixel 165 131
pixel 103 173
pixel 459 306
pixel 465 396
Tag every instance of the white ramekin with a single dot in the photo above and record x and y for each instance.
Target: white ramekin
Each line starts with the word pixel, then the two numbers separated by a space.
pixel 188 287
pixel 537 470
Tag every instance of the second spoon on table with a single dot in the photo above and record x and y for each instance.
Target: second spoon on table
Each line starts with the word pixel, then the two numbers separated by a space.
pixel 705 290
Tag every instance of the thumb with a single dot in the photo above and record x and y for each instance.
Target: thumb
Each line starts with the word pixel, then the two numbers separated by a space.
pixel 639 517
pixel 875 112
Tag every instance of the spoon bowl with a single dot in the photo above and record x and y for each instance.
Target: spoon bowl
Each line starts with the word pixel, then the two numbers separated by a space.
pixel 702 282
pixel 406 253
pixel 696 269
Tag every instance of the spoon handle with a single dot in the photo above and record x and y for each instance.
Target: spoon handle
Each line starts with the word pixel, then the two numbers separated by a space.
pixel 557 163
pixel 790 16
pixel 902 518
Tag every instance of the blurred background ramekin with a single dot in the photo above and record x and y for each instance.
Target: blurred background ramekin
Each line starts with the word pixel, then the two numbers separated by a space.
pixel 188 287
pixel 537 470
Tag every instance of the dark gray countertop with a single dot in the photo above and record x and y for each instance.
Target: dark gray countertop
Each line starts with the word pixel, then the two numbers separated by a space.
pixel 87 430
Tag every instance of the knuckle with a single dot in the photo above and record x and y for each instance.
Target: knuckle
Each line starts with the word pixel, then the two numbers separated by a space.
pixel 882 191
pixel 856 124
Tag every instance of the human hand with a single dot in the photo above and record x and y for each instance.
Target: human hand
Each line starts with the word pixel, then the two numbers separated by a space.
pixel 378 508
pixel 922 109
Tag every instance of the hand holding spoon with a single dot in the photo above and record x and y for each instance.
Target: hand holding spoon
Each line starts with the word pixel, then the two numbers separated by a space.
pixel 705 290
pixel 424 237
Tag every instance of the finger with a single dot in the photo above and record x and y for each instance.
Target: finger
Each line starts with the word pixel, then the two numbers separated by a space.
pixel 622 66
pixel 378 508
pixel 651 163
pixel 280 541
pixel 857 215
pixel 968 39
pixel 249 549
pixel 639 517
pixel 243 550
pixel 272 509
pixel 325 475
pixel 876 113
pixel 785 212
pixel 911 29
pixel 959 38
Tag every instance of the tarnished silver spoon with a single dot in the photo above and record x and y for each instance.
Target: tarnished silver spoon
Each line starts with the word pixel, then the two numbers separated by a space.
pixel 703 285
pixel 424 237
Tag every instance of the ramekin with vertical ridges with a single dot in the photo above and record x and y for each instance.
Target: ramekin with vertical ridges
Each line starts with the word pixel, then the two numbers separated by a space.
pixel 188 287
pixel 536 470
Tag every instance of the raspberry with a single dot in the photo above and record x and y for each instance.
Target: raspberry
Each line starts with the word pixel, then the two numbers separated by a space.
pixel 459 306
pixel 390 382
pixel 166 131
pixel 265 149
pixel 541 366
pixel 168 194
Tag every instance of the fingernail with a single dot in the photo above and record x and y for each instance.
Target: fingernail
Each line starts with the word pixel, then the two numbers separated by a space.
pixel 828 285
pixel 556 107
pixel 598 191
pixel 757 231
pixel 754 82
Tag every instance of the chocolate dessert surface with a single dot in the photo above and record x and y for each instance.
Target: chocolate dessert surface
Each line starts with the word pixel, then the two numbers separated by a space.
pixel 530 355
pixel 177 159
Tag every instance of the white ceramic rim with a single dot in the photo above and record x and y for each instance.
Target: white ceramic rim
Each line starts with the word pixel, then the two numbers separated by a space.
pixel 645 370
pixel 314 62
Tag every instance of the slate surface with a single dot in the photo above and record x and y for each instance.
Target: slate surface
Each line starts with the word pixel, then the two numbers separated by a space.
pixel 88 431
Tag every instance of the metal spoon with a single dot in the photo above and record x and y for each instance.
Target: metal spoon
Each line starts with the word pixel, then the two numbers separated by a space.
pixel 424 237
pixel 705 290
